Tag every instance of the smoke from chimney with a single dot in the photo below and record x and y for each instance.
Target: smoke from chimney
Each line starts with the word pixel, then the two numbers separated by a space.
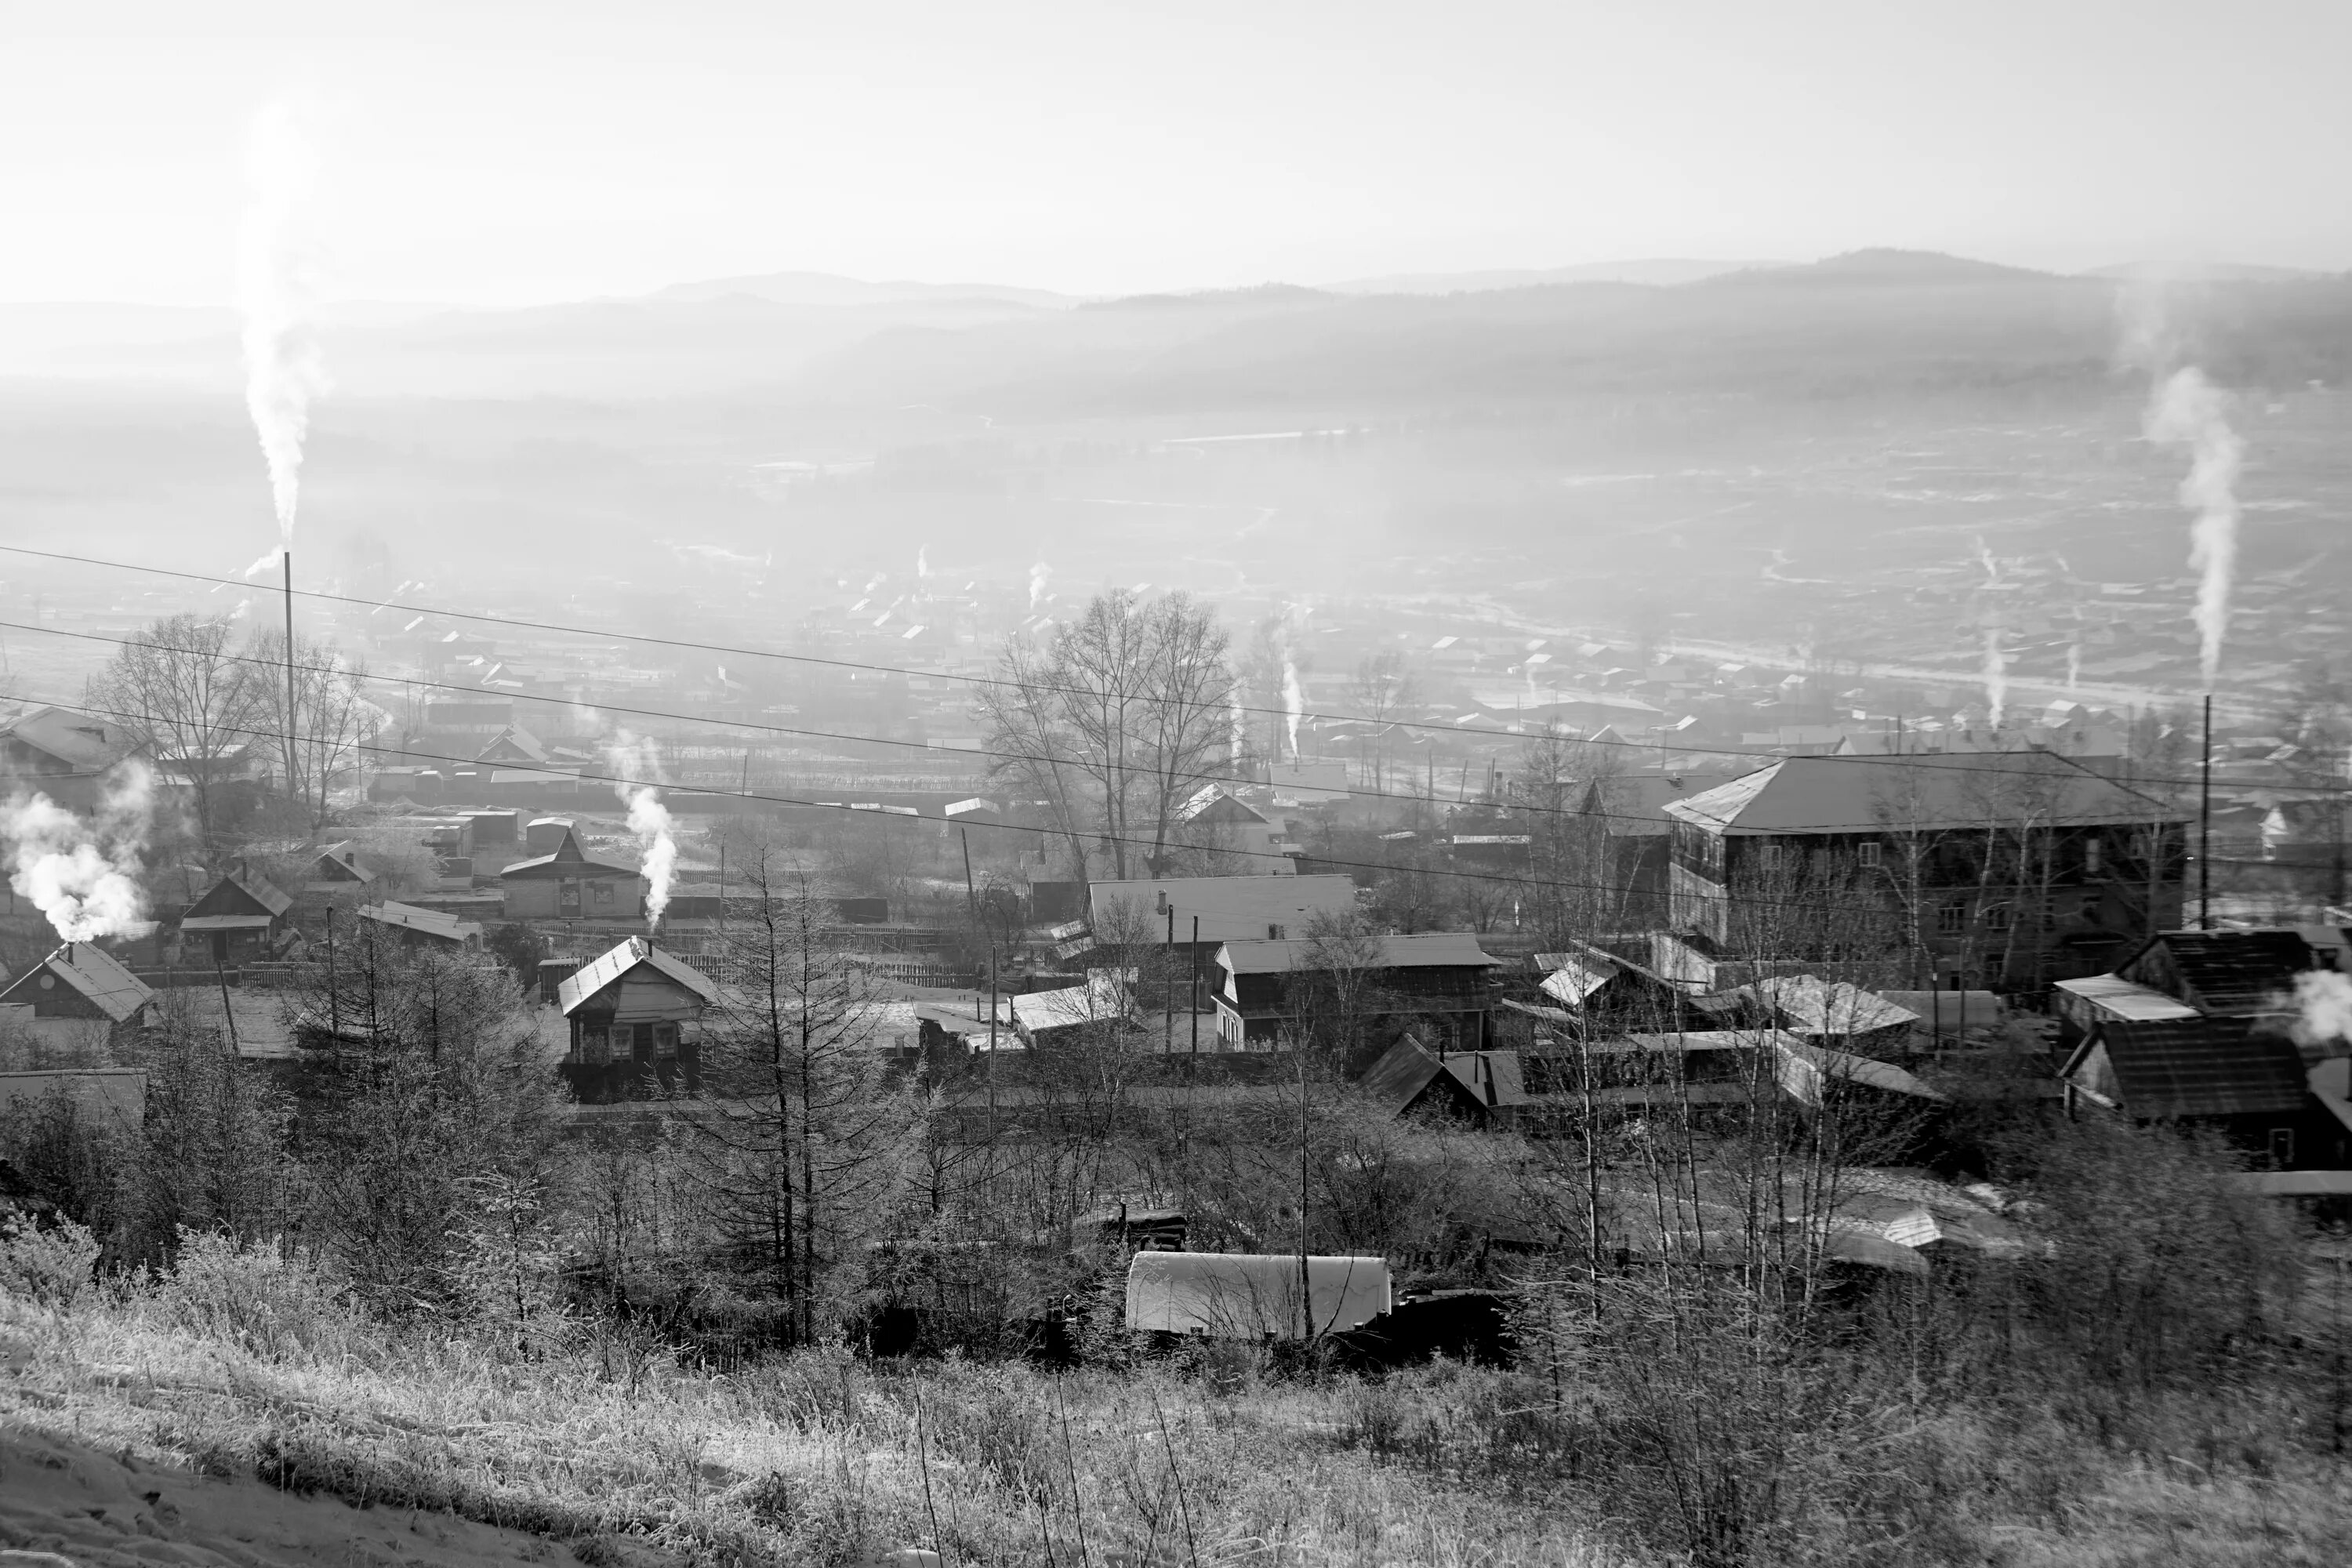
pixel 2188 410
pixel 1996 677
pixel 83 875
pixel 2322 1005
pixel 276 289
pixel 1039 575
pixel 635 760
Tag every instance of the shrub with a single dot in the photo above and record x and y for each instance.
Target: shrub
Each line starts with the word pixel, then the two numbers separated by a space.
pixel 49 1266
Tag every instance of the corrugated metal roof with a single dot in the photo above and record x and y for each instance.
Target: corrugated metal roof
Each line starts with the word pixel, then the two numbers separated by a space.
pixel 431 923
pixel 1807 1005
pixel 1864 795
pixel 95 975
pixel 2229 971
pixel 1436 949
pixel 603 971
pixel 2126 999
pixel 2203 1066
pixel 236 895
pixel 1574 978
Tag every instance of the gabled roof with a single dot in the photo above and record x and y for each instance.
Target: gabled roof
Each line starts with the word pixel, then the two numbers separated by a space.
pixel 1574 978
pixel 93 973
pixel 1633 805
pixel 2222 971
pixel 425 922
pixel 1867 794
pixel 2208 1065
pixel 566 860
pixel 235 895
pixel 335 864
pixel 1230 909
pixel 1438 950
pixel 2125 999
pixel 1103 999
pixel 1406 1070
pixel 635 954
pixel 513 743
pixel 1212 804
pixel 84 743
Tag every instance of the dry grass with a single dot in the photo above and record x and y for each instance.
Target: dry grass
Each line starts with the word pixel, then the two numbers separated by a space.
pixel 241 1364
pixel 245 1364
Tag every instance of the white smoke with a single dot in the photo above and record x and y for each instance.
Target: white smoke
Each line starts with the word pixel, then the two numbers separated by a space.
pixel 276 289
pixel 268 559
pixel 82 874
pixel 1992 567
pixel 636 766
pixel 2074 664
pixel 1039 575
pixel 2188 410
pixel 1294 702
pixel 2322 1005
pixel 1996 677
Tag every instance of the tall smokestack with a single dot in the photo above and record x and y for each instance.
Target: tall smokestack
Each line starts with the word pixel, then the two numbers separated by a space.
pixel 290 672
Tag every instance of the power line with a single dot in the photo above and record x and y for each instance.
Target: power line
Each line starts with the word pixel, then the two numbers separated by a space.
pixel 1200 778
pixel 1939 759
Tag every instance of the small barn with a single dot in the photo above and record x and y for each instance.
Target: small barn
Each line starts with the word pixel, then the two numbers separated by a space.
pixel 633 1015
pixel 1483 1086
pixel 2232 1074
pixel 239 917
pixel 566 884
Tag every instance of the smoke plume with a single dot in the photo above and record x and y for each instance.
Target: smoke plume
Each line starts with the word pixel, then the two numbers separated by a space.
pixel 276 291
pixel 1039 575
pixel 2322 1005
pixel 2074 664
pixel 1996 677
pixel 635 760
pixel 2188 410
pixel 82 874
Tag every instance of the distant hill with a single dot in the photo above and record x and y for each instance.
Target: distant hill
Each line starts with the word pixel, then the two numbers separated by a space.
pixel 827 288
pixel 1907 267
pixel 1659 272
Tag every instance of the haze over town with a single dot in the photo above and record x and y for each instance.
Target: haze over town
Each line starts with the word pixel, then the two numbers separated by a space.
pixel 1547 784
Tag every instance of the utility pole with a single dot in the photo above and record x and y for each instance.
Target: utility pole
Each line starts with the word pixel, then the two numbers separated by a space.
pixel 2205 826
pixel 289 670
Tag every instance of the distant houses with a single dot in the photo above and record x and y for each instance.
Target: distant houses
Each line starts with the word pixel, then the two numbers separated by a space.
pixel 68 756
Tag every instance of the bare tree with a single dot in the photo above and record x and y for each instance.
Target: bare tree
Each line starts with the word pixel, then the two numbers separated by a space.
pixel 1116 725
pixel 802 1152
pixel 332 723
pixel 190 700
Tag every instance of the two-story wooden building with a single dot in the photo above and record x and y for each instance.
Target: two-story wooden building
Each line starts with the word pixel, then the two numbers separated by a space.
pixel 2005 871
pixel 1266 987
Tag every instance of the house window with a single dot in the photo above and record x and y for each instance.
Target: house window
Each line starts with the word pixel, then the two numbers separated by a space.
pixel 1951 919
pixel 1999 917
pixel 595 1044
pixel 2093 855
pixel 665 1040
pixel 1867 854
pixel 1274 934
pixel 2281 1149
pixel 603 892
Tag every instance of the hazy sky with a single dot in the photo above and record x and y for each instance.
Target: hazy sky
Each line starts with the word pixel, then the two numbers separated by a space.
pixel 505 151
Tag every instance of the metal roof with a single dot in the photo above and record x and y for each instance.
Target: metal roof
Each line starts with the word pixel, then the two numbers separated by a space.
pixel 1808 1004
pixel 1436 949
pixel 1406 1069
pixel 2125 999
pixel 2227 971
pixel 1862 794
pixel 97 975
pixel 84 743
pixel 430 922
pixel 2203 1066
pixel 596 975
pixel 565 860
pixel 1573 979
pixel 235 894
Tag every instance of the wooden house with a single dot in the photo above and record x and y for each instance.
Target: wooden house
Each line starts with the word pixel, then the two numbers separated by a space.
pixel 1438 980
pixel 1480 1086
pixel 239 917
pixel 633 1015
pixel 68 756
pixel 566 884
pixel 80 989
pixel 2237 1075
